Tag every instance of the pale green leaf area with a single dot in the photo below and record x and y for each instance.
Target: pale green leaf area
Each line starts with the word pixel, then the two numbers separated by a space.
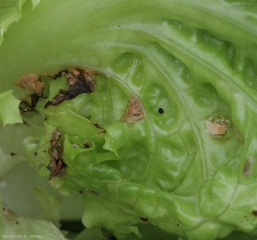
pixel 33 197
pixel 15 226
pixel 9 109
pixel 91 234
pixel 51 208
pixel 165 144
pixel 10 12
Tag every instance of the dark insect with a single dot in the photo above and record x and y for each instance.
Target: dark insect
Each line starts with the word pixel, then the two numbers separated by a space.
pixel 86 145
pixel 160 110
pixel 144 219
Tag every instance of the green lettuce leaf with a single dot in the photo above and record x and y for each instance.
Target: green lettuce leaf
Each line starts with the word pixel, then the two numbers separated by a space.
pixel 15 226
pixel 165 134
pixel 11 11
pixel 9 109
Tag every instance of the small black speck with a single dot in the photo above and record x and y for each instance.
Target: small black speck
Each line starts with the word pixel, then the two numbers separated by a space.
pixel 118 25
pixel 81 191
pixel 178 225
pixel 95 193
pixel 144 219
pixel 254 212
pixel 86 145
pixel 160 110
pixel 17 222
pixel 35 153
pixel 13 154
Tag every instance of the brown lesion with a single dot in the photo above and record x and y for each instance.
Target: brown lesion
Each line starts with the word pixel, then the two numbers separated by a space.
pixel 32 83
pixel 218 126
pixel 57 165
pixel 249 166
pixel 98 126
pixel 78 81
pixel 135 110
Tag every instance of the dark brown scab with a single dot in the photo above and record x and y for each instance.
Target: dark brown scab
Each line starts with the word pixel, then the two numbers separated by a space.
pixel 57 165
pixel 34 100
pixel 17 222
pixel 78 80
pixel 56 168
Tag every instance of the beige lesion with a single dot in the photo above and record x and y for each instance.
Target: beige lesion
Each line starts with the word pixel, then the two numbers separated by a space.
pixel 32 83
pixel 135 110
pixel 218 126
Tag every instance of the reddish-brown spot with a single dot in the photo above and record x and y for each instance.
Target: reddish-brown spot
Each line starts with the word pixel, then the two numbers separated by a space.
pixel 248 167
pixel 135 111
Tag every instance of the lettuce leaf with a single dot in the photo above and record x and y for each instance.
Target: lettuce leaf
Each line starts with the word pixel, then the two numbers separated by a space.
pixel 10 12
pixel 165 133
pixel 15 226
pixel 9 109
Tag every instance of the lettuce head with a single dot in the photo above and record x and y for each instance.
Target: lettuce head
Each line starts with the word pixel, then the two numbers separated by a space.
pixel 128 119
